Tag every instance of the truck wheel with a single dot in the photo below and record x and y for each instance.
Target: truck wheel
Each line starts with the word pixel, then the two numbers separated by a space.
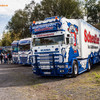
pixel 75 69
pixel 89 66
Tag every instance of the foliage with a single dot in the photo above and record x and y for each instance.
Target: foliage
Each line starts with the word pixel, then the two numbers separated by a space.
pixel 19 24
pixel 97 26
pixel 93 11
pixel 48 8
pixel 6 40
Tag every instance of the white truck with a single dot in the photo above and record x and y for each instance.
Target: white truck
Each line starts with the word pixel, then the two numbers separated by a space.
pixel 64 46
pixel 15 56
pixel 25 51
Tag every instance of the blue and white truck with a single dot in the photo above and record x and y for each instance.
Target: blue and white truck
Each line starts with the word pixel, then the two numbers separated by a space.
pixel 1 49
pixel 15 57
pixel 64 46
pixel 25 51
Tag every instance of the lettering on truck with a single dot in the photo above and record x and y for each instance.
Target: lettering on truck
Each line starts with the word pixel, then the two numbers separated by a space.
pixel 90 38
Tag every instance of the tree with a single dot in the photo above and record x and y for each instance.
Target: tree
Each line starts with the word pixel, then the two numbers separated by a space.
pixel 93 11
pixel 0 43
pixel 6 40
pixel 97 26
pixel 19 24
pixel 48 8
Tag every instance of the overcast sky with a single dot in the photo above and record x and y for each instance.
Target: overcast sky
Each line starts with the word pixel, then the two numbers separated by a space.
pixel 7 12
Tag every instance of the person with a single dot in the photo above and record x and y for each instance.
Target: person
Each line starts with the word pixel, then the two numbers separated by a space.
pixel 5 58
pixel 9 57
pixel 1 57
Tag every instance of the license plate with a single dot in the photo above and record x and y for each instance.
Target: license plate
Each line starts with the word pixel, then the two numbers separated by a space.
pixel 45 67
pixel 47 72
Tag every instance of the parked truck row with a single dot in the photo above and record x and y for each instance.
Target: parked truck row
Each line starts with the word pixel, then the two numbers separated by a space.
pixel 21 51
pixel 59 47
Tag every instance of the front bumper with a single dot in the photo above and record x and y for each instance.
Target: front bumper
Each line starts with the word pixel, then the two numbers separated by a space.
pixel 55 71
pixel 50 65
pixel 24 61
pixel 15 60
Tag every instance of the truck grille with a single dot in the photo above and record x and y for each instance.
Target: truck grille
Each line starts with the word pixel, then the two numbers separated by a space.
pixel 23 59
pixel 30 59
pixel 45 59
pixel 15 59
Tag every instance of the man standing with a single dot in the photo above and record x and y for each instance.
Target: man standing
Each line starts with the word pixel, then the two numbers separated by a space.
pixel 1 57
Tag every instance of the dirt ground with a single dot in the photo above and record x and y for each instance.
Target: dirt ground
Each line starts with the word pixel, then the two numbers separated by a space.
pixel 19 83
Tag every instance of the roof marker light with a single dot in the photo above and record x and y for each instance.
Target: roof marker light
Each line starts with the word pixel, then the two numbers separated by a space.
pixel 33 22
pixel 56 17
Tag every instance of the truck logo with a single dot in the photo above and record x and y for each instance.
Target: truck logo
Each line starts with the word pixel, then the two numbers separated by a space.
pixel 90 38
pixel 73 29
pixel 44 35
pixel 45 49
pixel 46 27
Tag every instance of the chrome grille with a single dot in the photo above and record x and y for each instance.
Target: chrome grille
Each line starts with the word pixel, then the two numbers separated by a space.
pixel 44 59
pixel 23 59
pixel 15 59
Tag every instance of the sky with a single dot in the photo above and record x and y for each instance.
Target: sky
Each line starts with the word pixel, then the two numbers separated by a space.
pixel 7 12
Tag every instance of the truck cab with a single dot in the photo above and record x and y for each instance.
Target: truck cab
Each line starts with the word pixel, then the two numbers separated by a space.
pixel 15 57
pixel 25 51
pixel 51 46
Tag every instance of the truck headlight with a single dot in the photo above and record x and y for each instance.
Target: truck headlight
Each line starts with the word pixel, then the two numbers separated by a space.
pixel 61 66
pixel 51 66
pixel 60 59
pixel 66 66
pixel 39 66
pixel 33 66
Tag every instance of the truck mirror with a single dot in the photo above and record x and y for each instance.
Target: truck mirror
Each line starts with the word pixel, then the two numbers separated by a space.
pixel 68 35
pixel 67 40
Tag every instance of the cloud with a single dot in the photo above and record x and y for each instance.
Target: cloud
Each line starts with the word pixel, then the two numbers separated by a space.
pixel 13 5
pixel 7 12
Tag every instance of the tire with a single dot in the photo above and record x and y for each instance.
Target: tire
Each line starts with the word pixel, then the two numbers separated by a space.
pixel 75 69
pixel 89 66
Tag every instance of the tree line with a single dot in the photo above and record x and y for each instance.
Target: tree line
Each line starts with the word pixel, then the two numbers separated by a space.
pixel 18 26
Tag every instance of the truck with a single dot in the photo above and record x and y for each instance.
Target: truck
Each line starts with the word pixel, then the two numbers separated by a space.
pixel 15 56
pixel 1 49
pixel 25 51
pixel 64 46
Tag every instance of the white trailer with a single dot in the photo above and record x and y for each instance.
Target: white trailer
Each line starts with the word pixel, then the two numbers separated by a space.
pixel 25 51
pixel 64 46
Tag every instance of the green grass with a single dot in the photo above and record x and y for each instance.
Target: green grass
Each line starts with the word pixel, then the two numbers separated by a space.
pixel 36 86
pixel 96 77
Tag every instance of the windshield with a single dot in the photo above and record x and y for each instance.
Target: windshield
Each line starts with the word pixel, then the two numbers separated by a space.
pixel 49 40
pixel 15 49
pixel 24 47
